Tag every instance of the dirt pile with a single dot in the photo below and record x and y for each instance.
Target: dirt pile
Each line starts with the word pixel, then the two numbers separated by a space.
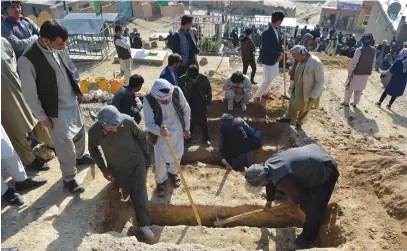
pixel 333 61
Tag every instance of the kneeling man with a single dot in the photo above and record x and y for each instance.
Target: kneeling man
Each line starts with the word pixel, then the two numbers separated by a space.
pixel 124 146
pixel 308 176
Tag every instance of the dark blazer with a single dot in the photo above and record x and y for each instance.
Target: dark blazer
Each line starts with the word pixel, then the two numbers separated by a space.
pixel 166 74
pixel 271 48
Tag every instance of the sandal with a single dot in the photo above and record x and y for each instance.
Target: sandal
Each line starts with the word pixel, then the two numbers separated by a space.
pixel 162 189
pixel 176 181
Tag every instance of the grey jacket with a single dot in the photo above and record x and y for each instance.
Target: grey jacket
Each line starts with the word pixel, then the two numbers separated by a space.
pixel 246 85
pixel 313 78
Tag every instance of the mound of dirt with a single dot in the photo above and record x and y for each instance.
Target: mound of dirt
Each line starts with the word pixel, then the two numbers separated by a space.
pixel 388 176
pixel 333 61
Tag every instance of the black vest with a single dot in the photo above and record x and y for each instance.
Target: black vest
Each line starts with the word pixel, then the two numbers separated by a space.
pixel 46 81
pixel 158 115
pixel 365 64
pixel 122 53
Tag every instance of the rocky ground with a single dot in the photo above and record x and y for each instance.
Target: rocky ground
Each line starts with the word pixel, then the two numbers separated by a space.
pixel 368 210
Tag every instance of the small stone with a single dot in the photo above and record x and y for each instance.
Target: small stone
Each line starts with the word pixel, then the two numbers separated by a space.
pixel 378 138
pixel 88 234
pixel 203 61
pixel 160 38
pixel 154 44
pixel 366 111
pixel 401 136
pixel 147 46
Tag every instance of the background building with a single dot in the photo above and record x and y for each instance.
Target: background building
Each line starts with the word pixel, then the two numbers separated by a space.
pixel 388 19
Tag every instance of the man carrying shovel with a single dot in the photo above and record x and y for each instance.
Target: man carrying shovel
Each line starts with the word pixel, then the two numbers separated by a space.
pixel 166 113
pixel 308 176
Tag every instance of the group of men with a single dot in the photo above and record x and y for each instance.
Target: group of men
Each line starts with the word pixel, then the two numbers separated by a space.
pixel 40 100
pixel 43 82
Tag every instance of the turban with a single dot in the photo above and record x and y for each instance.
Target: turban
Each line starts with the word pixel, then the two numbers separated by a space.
pixel 299 49
pixel 256 175
pixel 110 117
pixel 162 91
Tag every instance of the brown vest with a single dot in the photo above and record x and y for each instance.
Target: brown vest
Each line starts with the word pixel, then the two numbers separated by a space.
pixel 46 80
pixel 365 64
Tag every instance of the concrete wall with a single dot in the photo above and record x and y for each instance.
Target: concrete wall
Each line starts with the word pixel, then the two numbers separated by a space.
pixel 378 23
pixel 172 10
pixel 142 9
pixel 106 7
pixel 402 33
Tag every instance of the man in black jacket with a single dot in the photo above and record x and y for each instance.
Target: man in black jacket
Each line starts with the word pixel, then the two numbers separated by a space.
pixel 198 92
pixel 271 54
pixel 126 101
pixel 308 176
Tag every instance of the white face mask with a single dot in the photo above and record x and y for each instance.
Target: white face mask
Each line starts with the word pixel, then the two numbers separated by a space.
pixel 55 50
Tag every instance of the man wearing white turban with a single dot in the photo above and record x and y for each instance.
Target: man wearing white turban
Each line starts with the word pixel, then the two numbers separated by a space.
pixel 166 112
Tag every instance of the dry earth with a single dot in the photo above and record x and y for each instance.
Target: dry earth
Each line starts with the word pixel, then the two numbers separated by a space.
pixel 368 210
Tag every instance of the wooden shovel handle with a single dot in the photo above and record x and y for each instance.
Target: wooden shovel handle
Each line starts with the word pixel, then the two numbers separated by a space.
pixel 184 183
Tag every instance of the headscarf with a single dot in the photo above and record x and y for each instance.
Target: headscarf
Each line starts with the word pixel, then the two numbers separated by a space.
pixel 299 49
pixel 110 117
pixel 367 38
pixel 403 55
pixel 256 175
pixel 162 91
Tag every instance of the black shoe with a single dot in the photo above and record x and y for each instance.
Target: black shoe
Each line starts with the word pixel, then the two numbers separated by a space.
pixel 30 183
pixel 283 119
pixel 176 181
pixel 298 126
pixel 85 160
pixel 13 198
pixel 300 243
pixel 162 189
pixel 378 104
pixel 74 187
pixel 388 107
pixel 38 165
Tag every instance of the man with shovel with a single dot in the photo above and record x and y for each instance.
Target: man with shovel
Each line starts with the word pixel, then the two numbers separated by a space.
pixel 166 113
pixel 308 176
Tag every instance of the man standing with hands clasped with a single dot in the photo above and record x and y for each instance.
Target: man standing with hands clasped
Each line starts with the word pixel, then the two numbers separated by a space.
pixel 271 54
pixel 166 113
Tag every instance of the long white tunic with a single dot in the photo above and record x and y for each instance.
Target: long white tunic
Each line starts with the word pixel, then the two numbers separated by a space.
pixel 173 123
pixel 358 82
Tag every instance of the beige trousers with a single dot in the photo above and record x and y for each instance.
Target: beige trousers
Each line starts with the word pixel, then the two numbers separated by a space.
pixel 23 148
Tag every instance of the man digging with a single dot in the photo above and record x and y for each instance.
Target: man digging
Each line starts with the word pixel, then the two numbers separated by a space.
pixel 308 176
pixel 166 113
pixel 124 146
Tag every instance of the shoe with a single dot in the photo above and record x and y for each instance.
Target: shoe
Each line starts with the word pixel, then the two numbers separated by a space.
pixel 13 198
pixel 74 187
pixel 353 104
pixel 378 104
pixel 147 233
pixel 283 119
pixel 85 160
pixel 344 104
pixel 176 181
pixel 300 243
pixel 298 126
pixel 162 189
pixel 30 183
pixel 230 106
pixel 388 107
pixel 38 165
pixel 244 106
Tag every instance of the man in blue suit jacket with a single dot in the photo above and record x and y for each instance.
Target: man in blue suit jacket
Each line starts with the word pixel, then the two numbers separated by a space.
pixel 169 73
pixel 271 54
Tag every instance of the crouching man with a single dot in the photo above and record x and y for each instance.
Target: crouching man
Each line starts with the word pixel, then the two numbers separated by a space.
pixel 124 146
pixel 166 113
pixel 308 176
pixel 238 141
pixel 238 88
